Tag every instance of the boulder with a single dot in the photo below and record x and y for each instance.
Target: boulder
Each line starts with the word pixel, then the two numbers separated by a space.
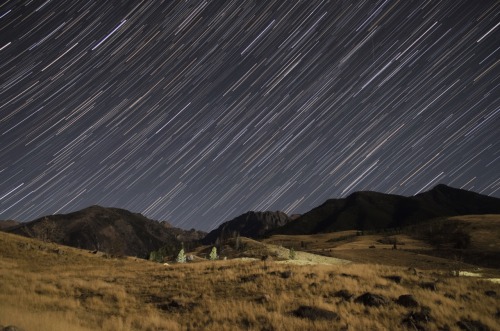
pixel 315 313
pixel 372 300
pixel 344 294
pixel 407 300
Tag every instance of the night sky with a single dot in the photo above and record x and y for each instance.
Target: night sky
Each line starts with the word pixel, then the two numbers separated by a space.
pixel 195 112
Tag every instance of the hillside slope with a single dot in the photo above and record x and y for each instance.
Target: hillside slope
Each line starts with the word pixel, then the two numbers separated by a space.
pixel 112 230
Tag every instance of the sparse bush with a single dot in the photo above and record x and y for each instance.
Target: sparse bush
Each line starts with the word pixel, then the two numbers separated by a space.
pixel 292 254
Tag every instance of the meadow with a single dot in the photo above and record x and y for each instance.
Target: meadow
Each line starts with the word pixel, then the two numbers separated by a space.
pixel 49 287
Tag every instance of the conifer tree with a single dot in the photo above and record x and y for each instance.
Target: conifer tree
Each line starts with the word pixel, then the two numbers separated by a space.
pixel 181 257
pixel 213 254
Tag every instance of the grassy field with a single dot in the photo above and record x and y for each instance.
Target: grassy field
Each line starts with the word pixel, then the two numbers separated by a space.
pixel 50 287
pixel 412 248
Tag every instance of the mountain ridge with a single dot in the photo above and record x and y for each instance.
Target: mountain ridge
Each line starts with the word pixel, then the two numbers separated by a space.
pixel 120 231
pixel 252 224
pixel 112 230
pixel 369 210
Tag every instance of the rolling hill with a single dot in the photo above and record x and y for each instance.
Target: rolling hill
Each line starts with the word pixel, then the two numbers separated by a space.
pixel 111 230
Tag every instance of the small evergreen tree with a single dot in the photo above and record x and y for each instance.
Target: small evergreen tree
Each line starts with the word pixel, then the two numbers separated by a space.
pixel 181 257
pixel 292 254
pixel 213 254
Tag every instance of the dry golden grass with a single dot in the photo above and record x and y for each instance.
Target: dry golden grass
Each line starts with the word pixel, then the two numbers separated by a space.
pixel 484 249
pixel 484 230
pixel 49 287
pixel 348 246
pixel 344 240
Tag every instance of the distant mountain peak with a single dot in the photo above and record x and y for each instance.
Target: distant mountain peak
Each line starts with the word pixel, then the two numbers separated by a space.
pixel 252 224
pixel 114 230
pixel 367 210
pixel 446 188
pixel 442 186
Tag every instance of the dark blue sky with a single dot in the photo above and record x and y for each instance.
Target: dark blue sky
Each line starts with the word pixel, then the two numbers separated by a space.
pixel 197 111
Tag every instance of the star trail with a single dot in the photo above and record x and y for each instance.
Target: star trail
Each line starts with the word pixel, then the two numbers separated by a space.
pixel 197 111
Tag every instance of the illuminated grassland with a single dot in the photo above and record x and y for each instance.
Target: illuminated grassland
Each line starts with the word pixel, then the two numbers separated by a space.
pixel 48 287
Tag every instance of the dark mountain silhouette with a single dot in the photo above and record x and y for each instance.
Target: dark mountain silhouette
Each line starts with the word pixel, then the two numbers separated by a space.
pixel 251 224
pixel 182 235
pixel 111 230
pixel 372 210
pixel 118 231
